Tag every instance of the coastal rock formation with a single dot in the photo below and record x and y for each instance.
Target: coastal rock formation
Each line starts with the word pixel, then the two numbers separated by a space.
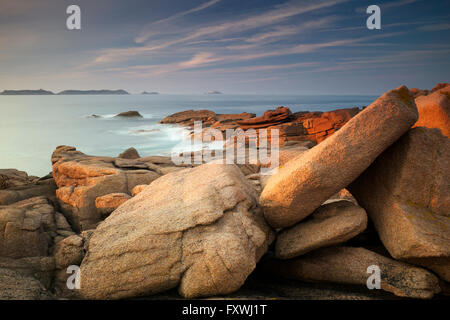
pixel 303 185
pixel 129 114
pixel 350 265
pixel 207 117
pixel 434 111
pixel 17 185
pixel 39 268
pixel 110 202
pixel 406 193
pixel 16 286
pixel 130 153
pixel 27 228
pixel 206 242
pixel 270 118
pixel 81 179
pixel 330 224
pixel 187 118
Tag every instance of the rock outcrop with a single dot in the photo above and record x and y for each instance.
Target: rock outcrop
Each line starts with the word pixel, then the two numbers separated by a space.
pixel 303 185
pixel 434 111
pixel 205 241
pixel 129 114
pixel 81 179
pixel 330 224
pixel 130 153
pixel 350 265
pixel 16 185
pixel 406 193
pixel 270 118
pixel 28 227
pixel 110 202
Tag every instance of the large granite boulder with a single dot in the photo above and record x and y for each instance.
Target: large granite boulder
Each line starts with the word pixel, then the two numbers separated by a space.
pixel 81 179
pixel 304 183
pixel 330 224
pixel 350 265
pixel 199 229
pixel 406 193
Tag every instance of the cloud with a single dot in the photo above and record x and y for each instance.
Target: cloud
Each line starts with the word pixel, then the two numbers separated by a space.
pixel 279 14
pixel 435 27
pixel 147 31
pixel 388 5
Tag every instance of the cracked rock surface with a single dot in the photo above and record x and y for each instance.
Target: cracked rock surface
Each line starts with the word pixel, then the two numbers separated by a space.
pixel 199 229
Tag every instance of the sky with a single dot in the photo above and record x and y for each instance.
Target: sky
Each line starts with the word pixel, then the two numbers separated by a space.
pixel 233 46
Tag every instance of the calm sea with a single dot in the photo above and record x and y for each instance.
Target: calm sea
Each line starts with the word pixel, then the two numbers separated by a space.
pixel 32 126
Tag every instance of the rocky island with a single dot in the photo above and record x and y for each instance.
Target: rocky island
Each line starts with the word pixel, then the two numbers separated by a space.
pixel 94 92
pixel 355 189
pixel 39 92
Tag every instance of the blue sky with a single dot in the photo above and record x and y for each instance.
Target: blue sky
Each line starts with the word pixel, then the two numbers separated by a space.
pixel 234 46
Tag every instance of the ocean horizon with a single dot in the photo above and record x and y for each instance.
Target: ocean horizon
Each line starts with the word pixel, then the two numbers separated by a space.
pixel 32 127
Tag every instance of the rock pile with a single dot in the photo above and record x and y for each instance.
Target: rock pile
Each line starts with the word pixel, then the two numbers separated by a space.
pixel 372 199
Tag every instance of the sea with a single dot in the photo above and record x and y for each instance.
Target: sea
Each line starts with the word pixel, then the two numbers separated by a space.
pixel 31 127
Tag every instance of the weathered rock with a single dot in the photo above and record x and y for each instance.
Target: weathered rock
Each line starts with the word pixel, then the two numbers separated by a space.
pixel 136 190
pixel 110 202
pixel 129 114
pixel 434 112
pixel 27 228
pixel 349 265
pixel 10 178
pixel 188 117
pixel 81 179
pixel 406 193
pixel 329 225
pixel 303 185
pixel 130 153
pixel 16 286
pixel 270 118
pixel 17 185
pixel 197 228
pixel 40 268
pixel 69 251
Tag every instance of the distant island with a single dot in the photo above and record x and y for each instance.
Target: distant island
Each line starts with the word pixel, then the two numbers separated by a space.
pixel 153 92
pixel 26 92
pixel 78 92
pixel 214 92
pixel 65 92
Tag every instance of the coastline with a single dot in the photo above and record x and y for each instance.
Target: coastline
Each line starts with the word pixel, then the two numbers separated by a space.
pixel 150 216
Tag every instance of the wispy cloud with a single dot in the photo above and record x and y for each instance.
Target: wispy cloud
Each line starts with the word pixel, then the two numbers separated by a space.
pixel 276 15
pixel 148 32
pixel 435 27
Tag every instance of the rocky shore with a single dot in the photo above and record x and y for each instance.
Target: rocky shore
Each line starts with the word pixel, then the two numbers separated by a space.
pixel 357 191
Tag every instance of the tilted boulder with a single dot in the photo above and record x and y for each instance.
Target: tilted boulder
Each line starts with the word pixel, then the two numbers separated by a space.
pixel 348 265
pixel 200 229
pixel 81 179
pixel 406 193
pixel 303 184
pixel 330 224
